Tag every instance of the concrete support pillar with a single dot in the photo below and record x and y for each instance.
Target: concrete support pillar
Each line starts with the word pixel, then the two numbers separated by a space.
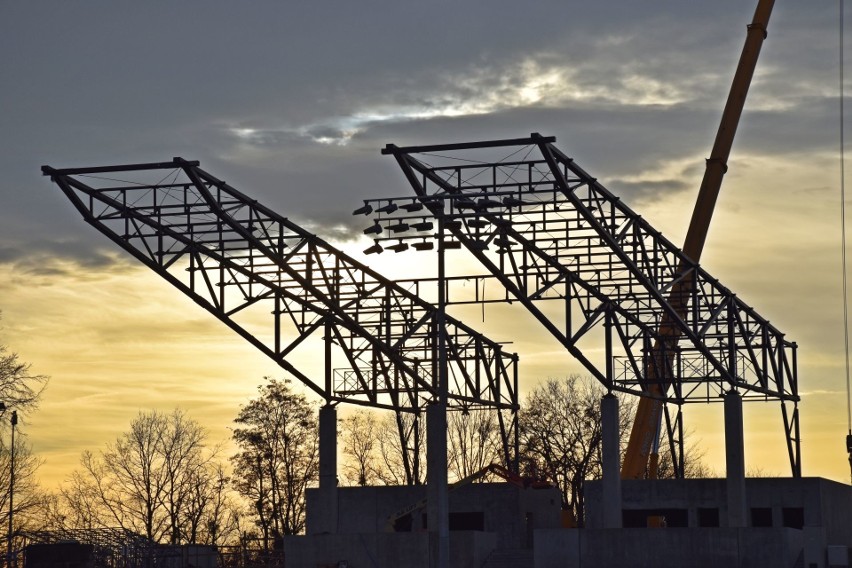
pixel 611 462
pixel 326 516
pixel 735 460
pixel 437 505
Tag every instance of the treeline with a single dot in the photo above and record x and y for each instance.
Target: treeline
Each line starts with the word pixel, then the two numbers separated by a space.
pixel 163 479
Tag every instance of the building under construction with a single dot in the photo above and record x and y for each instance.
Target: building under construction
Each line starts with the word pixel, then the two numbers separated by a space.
pixel 640 314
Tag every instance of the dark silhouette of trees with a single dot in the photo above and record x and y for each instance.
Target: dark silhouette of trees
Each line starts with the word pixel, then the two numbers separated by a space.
pixel 373 448
pixel 30 499
pixel 278 457
pixel 388 449
pixel 473 442
pixel 20 391
pixel 694 465
pixel 158 479
pixel 402 449
pixel 560 434
pixel 358 436
pixel 560 437
pixel 20 388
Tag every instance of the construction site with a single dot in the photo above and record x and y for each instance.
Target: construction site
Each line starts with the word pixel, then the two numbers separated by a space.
pixel 640 314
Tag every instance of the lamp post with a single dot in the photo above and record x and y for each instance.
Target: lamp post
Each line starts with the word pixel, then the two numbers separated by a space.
pixel 436 414
pixel 14 422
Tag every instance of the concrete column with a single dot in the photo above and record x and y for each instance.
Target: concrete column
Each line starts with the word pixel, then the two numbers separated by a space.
pixel 611 463
pixel 326 516
pixel 437 505
pixel 735 460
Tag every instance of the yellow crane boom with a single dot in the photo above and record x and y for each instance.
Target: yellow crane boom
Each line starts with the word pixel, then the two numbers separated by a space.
pixel 640 447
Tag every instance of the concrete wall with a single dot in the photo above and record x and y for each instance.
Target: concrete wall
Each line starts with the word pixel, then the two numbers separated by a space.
pixel 667 548
pixel 370 549
pixel 385 550
pixel 510 512
pixel 836 511
pixel 824 503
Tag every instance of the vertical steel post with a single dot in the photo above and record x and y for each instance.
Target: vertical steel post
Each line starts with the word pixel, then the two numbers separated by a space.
pixel 438 516
pixel 11 487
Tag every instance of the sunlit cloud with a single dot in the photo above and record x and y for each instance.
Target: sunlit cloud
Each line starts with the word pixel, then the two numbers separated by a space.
pixel 474 92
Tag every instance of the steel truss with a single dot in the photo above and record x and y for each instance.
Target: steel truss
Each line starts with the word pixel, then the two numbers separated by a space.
pixel 112 547
pixel 285 290
pixel 636 311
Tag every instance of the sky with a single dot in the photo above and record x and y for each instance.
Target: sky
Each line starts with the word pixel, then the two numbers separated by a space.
pixel 291 104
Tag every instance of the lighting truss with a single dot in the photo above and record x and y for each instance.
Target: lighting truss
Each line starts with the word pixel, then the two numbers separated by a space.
pixel 284 289
pixel 639 315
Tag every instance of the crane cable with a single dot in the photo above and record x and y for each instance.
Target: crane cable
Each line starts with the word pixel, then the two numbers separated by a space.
pixel 843 246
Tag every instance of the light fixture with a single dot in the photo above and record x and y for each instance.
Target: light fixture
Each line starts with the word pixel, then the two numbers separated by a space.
pixel 424 226
pixel 412 207
pixel 374 230
pixel 399 247
pixel 398 228
pixel 512 202
pixel 486 203
pixel 465 204
pixel 375 249
pixel 389 208
pixel 424 245
pixel 477 223
pixel 365 210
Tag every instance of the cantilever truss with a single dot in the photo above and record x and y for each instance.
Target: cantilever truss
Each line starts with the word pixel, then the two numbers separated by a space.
pixel 546 229
pixel 281 287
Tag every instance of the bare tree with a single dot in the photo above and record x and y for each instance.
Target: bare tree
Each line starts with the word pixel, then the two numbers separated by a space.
pixel 181 444
pixel 392 450
pixel 145 482
pixel 402 449
pixel 212 511
pixel 694 465
pixel 560 434
pixel 20 391
pixel 473 441
pixel 278 458
pixel 20 388
pixel 76 505
pixel 560 431
pixel 358 433
pixel 29 499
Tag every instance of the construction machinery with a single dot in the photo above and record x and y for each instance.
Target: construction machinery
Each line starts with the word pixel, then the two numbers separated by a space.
pixel 641 456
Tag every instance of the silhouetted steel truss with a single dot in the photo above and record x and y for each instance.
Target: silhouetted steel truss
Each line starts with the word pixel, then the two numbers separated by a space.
pixel 278 286
pixel 547 230
pixel 112 547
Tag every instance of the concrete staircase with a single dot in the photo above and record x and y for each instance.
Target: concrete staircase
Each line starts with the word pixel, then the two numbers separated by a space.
pixel 515 558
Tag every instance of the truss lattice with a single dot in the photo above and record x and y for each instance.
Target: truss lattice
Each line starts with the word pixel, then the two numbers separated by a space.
pixel 636 311
pixel 281 288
